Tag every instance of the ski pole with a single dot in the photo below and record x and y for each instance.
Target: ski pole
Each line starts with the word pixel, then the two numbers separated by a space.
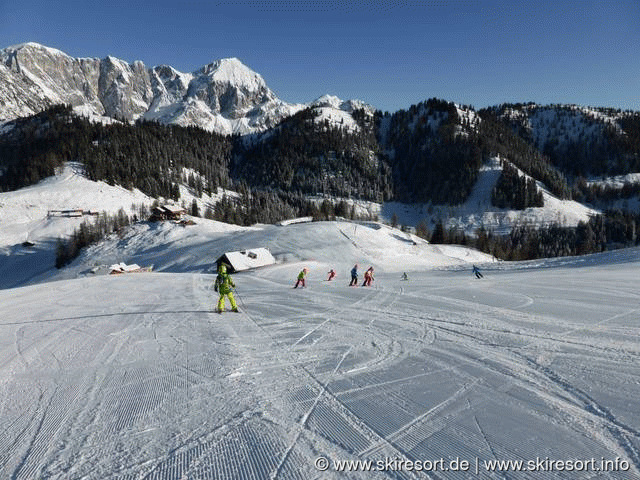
pixel 240 298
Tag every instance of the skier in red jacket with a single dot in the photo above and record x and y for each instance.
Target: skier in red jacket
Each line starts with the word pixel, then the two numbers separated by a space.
pixel 368 277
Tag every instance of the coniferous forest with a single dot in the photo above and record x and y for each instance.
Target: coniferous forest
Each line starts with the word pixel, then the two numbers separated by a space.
pixel 613 229
pixel 304 156
pixel 432 159
pixel 430 153
pixel 147 155
pixel 515 191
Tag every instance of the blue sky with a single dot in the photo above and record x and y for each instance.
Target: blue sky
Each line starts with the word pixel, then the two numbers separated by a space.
pixel 391 54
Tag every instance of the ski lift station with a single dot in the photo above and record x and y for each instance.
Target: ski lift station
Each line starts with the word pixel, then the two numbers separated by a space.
pixel 246 259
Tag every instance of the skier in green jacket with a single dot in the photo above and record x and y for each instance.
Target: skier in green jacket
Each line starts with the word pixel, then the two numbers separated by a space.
pixel 223 286
pixel 301 277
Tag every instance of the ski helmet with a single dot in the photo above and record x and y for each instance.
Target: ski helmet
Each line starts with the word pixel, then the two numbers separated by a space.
pixel 222 269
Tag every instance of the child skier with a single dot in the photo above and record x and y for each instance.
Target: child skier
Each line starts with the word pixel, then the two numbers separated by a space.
pixel 354 276
pixel 405 276
pixel 368 277
pixel 301 277
pixel 476 270
pixel 223 286
pixel 332 273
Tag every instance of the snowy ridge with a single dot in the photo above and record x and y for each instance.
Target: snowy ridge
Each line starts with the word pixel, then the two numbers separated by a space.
pixel 562 123
pixel 50 50
pixel 335 112
pixel 234 72
pixel 429 118
pixel 224 96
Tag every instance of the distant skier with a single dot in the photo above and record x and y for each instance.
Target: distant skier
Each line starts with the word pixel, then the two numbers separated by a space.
pixel 405 276
pixel 301 276
pixel 332 273
pixel 223 286
pixel 476 270
pixel 368 277
pixel 354 276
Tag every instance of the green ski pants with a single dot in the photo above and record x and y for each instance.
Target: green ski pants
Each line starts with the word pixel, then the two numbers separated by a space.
pixel 231 300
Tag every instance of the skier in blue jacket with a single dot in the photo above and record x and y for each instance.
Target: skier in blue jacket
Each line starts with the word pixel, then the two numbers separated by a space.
pixel 476 270
pixel 354 276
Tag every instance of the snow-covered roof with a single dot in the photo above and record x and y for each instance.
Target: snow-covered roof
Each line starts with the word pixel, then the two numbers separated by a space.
pixel 174 209
pixel 248 259
pixel 291 221
pixel 123 267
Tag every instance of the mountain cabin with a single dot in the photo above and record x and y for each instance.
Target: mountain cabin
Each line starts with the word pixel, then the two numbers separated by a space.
pixel 246 259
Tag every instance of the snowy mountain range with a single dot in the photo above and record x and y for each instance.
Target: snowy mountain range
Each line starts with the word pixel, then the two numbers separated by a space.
pixel 553 145
pixel 224 96
pixel 136 376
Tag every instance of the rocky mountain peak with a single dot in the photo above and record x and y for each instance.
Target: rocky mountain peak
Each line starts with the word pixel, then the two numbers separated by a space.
pixel 224 96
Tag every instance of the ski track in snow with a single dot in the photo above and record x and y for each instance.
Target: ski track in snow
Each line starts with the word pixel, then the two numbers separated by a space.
pixel 135 377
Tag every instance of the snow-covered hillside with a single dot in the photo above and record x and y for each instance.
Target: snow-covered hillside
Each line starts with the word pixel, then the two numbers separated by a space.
pixel 40 214
pixel 560 124
pixel 52 209
pixel 37 212
pixel 338 113
pixel 34 214
pixel 134 376
pixel 478 211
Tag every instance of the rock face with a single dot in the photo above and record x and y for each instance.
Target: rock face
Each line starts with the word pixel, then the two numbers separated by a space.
pixel 224 96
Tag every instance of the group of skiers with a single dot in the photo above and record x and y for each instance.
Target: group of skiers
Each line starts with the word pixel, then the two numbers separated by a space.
pixel 368 277
pixel 224 284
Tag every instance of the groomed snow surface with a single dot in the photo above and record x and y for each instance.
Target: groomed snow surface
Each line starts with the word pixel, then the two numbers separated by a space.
pixel 135 377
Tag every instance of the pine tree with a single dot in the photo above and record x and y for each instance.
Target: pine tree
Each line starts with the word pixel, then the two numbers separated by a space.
pixel 422 230
pixel 438 235
pixel 195 211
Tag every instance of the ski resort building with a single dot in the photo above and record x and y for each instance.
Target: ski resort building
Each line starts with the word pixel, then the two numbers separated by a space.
pixel 246 259
pixel 284 223
pixel 120 268
pixel 167 212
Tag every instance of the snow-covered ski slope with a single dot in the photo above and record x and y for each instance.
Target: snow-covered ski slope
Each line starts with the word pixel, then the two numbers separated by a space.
pixel 134 376
pixel 42 213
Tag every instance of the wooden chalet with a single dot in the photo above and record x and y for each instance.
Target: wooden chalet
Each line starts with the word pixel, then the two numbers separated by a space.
pixel 120 268
pixel 167 212
pixel 246 259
